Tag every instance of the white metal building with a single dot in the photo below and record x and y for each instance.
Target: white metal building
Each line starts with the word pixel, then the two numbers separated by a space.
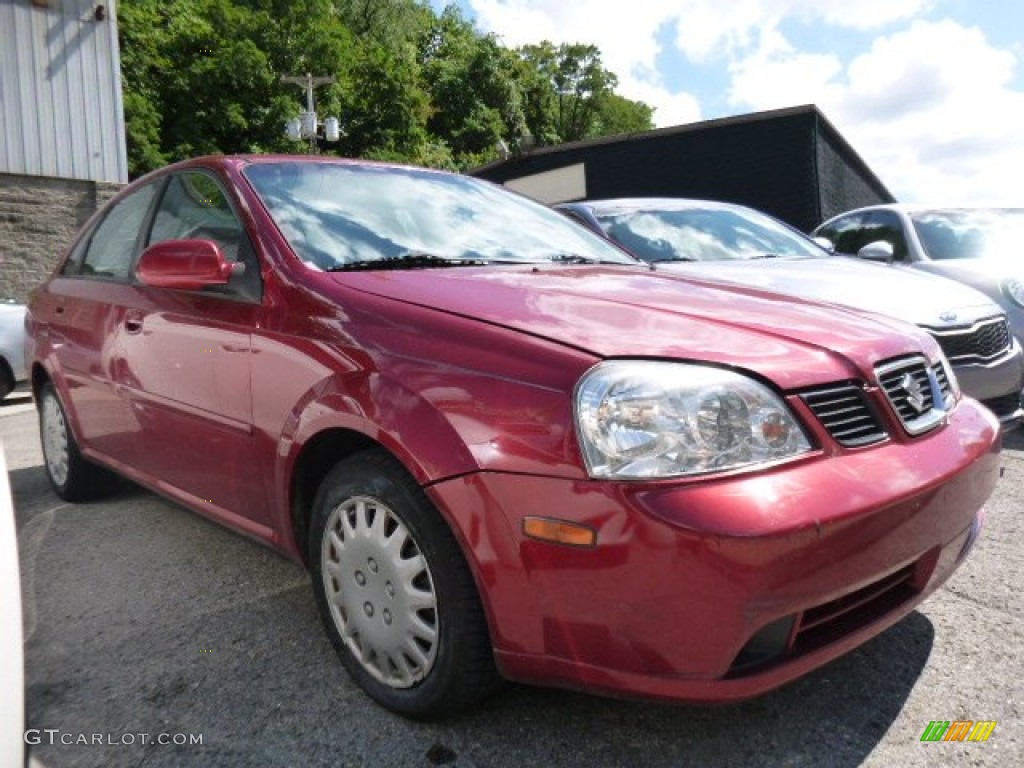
pixel 61 112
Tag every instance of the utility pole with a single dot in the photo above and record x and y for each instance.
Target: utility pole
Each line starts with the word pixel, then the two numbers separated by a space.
pixel 306 125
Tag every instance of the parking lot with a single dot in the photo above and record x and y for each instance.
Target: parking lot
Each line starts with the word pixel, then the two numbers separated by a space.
pixel 143 618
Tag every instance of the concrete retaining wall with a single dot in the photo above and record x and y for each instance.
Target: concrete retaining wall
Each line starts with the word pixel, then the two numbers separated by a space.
pixel 39 217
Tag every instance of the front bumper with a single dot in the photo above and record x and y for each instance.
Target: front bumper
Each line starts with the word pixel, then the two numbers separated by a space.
pixel 998 385
pixel 691 582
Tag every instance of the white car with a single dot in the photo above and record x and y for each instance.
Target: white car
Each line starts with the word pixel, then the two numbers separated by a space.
pixel 12 346
pixel 976 246
pixel 12 663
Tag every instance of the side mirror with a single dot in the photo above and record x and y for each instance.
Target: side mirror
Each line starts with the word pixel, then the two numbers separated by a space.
pixel 877 251
pixel 825 243
pixel 186 265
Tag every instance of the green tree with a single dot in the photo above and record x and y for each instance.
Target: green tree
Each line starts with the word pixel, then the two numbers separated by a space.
pixel 571 96
pixel 476 100
pixel 142 43
pixel 204 76
pixel 196 80
pixel 389 22
pixel 384 110
pixel 617 114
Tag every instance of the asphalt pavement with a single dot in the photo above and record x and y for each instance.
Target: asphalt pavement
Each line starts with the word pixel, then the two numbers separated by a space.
pixel 145 623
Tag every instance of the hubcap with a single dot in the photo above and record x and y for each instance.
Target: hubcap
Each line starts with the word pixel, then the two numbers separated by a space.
pixel 55 440
pixel 380 591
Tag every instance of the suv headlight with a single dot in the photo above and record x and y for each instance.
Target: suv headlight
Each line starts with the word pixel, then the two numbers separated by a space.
pixel 1014 290
pixel 653 419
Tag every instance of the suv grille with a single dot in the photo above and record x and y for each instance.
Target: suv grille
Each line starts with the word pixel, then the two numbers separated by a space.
pixel 844 411
pixel 915 393
pixel 982 342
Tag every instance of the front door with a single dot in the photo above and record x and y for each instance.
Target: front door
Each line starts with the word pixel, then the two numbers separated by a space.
pixel 187 363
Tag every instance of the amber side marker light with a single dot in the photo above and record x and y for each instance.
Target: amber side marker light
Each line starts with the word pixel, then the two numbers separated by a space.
pixel 559 532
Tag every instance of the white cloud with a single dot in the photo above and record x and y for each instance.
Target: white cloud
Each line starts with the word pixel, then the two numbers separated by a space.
pixel 625 32
pixel 707 27
pixel 930 108
pixel 778 75
pixel 930 105
pixel 864 14
pixel 626 36
pixel 670 108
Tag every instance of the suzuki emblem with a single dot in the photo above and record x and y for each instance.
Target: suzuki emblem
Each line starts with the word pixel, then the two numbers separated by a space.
pixel 915 393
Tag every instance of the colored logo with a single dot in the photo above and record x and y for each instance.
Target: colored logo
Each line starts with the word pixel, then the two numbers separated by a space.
pixel 958 730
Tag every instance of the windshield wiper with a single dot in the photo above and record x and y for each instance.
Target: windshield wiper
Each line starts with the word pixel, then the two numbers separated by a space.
pixel 575 258
pixel 409 260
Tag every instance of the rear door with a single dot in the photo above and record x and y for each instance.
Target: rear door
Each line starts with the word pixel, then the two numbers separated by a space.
pixel 83 310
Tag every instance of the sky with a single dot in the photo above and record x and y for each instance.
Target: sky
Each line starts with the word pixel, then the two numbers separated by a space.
pixel 929 92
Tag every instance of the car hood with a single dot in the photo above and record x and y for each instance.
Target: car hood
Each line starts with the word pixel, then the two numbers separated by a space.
pixel 634 312
pixel 912 296
pixel 980 273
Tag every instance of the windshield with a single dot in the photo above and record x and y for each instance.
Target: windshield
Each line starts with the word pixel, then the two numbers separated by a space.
pixel 340 216
pixel 703 234
pixel 970 234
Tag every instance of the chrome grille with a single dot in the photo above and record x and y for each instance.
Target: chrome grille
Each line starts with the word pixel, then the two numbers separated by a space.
pixel 844 411
pixel 982 342
pixel 912 388
pixel 945 388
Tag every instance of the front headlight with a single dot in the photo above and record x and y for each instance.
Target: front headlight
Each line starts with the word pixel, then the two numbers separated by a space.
pixel 651 419
pixel 1014 290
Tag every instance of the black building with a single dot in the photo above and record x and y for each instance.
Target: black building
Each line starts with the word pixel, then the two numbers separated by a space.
pixel 791 163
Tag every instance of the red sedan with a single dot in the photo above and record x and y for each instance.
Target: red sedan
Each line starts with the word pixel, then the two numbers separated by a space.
pixel 503 448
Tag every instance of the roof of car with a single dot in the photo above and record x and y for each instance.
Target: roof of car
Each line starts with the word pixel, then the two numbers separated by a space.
pixel 914 208
pixel 640 203
pixel 241 160
pixel 920 207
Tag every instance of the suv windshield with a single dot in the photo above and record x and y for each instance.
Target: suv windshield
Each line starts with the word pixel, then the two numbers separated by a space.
pixel 702 234
pixel 970 234
pixel 340 216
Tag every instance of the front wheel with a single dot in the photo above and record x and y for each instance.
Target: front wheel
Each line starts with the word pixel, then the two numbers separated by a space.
pixel 73 477
pixel 395 593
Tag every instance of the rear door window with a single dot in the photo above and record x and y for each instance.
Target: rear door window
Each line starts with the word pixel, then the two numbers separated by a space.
pixel 111 250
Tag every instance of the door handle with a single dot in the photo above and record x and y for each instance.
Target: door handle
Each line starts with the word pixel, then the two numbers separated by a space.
pixel 133 322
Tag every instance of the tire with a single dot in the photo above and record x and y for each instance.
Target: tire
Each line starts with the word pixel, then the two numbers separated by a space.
pixel 72 477
pixel 394 592
pixel 7 381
